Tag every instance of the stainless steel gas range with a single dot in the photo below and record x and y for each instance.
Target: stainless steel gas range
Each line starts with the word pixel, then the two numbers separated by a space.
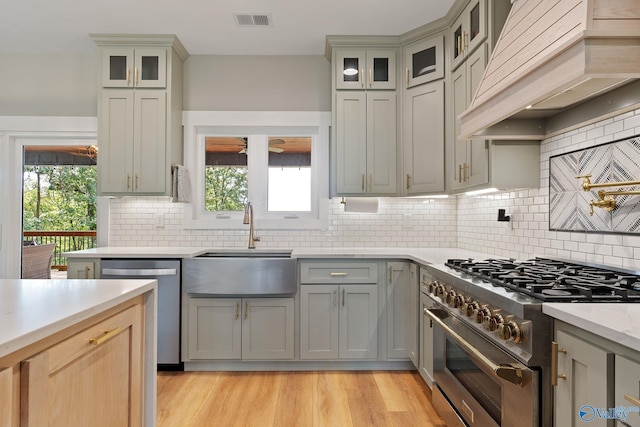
pixel 492 343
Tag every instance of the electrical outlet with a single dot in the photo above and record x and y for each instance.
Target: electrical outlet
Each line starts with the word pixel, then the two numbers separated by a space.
pixel 159 220
pixel 407 222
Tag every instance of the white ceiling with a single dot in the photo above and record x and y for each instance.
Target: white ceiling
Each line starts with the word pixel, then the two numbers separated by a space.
pixel 208 26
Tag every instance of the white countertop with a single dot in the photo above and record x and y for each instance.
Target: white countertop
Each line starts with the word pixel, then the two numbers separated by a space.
pixel 616 322
pixel 31 310
pixel 420 255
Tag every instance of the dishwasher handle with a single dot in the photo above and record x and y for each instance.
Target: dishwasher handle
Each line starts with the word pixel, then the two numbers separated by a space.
pixel 131 272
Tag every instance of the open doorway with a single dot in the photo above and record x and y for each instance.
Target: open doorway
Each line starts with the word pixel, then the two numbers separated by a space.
pixel 59 206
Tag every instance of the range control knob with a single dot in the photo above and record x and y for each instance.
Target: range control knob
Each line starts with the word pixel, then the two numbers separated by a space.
pixel 494 322
pixel 432 287
pixel 471 307
pixel 450 296
pixel 482 313
pixel 511 331
pixel 459 302
pixel 441 291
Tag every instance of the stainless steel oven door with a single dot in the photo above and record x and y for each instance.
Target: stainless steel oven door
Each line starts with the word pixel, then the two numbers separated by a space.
pixel 486 386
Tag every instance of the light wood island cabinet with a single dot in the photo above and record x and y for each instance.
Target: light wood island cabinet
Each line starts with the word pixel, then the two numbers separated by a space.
pixel 90 363
pixel 93 378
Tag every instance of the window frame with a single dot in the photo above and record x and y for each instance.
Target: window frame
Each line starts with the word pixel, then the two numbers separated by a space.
pixel 257 126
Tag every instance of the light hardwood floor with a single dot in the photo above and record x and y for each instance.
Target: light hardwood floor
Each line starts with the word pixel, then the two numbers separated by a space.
pixel 282 399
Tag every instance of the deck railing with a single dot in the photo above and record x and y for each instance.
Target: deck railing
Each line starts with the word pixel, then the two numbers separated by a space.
pixel 65 241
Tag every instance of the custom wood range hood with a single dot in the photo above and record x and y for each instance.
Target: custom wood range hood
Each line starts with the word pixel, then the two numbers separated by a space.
pixel 551 56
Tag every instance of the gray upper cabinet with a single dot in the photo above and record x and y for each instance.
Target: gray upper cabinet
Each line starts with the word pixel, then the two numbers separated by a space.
pixel 366 142
pixel 139 113
pixel 424 139
pixel 471 162
pixel 370 69
pixel 468 31
pixel 128 67
pixel 364 116
pixel 423 61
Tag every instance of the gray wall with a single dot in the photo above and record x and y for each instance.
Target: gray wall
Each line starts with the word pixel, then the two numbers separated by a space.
pixel 257 83
pixel 48 84
pixel 67 84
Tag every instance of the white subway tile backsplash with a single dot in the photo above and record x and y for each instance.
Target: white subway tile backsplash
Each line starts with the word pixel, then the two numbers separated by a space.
pixel 433 223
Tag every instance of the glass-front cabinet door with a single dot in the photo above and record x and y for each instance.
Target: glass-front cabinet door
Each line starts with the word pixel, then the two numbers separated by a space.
pixel 469 31
pixel 424 61
pixel 130 68
pixel 365 69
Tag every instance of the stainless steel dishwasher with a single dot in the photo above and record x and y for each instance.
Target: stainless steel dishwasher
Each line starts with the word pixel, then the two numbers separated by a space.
pixel 167 273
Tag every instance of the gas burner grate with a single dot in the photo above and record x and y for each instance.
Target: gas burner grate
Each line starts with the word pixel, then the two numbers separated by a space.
pixel 554 280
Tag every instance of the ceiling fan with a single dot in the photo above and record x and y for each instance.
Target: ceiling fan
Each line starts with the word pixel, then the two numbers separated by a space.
pixel 272 149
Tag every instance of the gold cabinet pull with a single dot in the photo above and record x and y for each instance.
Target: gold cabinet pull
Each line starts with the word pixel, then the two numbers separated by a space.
pixel 407 77
pixel 128 75
pixel 362 77
pixel 370 77
pixel 87 270
pixel 465 40
pixel 554 363
pixel 105 336
pixel 466 168
pixel 460 173
pixel 370 183
pixel 459 43
pixel 335 298
pixel 343 297
pixel 237 310
pixel 136 181
pixel 633 400
pixel 136 75
pixel 362 182
pixel 338 273
pixel 390 275
pixel 128 181
pixel 246 310
pixel 408 181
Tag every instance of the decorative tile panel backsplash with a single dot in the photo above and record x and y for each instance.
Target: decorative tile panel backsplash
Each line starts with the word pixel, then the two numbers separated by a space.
pixel 569 205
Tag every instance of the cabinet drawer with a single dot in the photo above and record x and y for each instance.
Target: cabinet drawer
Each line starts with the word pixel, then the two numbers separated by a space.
pixel 87 340
pixel 339 272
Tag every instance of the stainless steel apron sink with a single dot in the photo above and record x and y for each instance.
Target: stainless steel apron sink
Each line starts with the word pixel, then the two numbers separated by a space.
pixel 240 272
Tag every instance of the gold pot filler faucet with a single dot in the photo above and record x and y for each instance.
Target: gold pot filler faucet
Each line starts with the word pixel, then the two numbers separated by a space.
pixel 606 199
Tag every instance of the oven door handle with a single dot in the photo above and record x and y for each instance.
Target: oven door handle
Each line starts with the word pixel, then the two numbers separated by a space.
pixel 511 372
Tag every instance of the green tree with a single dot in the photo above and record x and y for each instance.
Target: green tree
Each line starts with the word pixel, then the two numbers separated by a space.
pixel 226 188
pixel 59 198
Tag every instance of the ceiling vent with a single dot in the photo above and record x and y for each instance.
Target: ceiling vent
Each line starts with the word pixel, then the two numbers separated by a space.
pixel 252 19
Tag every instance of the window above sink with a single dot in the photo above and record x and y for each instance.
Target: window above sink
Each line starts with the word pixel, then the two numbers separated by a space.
pixel 278 161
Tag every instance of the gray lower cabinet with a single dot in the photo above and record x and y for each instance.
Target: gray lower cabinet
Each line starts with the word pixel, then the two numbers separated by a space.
pixel 585 369
pixel 398 309
pixel 627 387
pixel 241 328
pixel 426 341
pixel 83 268
pixel 339 321
pixel 413 315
